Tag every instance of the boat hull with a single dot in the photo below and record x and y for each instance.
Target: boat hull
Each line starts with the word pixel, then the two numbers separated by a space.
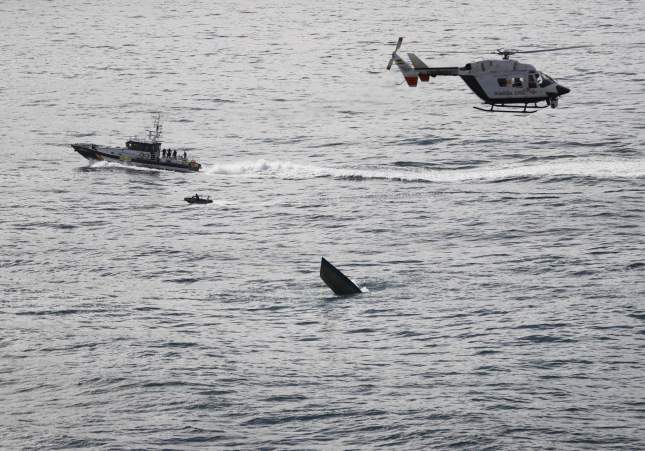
pixel 93 152
pixel 192 200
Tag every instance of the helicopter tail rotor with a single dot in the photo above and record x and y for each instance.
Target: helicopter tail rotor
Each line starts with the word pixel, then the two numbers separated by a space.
pixel 409 73
pixel 394 55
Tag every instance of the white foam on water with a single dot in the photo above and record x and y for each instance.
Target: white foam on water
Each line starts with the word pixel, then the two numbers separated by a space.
pixel 113 164
pixel 599 168
pixel 272 169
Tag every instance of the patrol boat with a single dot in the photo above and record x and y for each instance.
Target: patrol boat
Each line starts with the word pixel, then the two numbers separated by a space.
pixel 141 152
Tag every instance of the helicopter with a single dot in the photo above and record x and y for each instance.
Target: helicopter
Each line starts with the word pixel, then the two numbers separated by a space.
pixel 504 84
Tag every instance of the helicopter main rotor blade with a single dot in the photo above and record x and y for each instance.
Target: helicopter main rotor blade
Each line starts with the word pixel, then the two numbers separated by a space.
pixel 513 51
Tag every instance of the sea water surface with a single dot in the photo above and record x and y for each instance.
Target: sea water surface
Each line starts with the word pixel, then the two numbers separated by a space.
pixel 502 255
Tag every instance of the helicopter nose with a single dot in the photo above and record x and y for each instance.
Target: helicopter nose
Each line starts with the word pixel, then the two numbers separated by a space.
pixel 562 90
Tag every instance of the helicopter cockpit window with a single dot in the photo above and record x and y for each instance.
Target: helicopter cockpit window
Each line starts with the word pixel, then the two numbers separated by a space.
pixel 544 80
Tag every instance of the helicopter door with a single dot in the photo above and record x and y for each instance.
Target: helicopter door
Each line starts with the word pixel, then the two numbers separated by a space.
pixel 532 83
pixel 518 82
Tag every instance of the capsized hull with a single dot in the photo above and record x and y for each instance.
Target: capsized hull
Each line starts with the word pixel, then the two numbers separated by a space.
pixel 94 152
pixel 336 280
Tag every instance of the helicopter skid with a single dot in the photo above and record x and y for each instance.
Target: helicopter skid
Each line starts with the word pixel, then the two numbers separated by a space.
pixel 513 108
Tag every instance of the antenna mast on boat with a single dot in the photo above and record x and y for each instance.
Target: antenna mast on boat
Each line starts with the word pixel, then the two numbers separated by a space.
pixel 154 135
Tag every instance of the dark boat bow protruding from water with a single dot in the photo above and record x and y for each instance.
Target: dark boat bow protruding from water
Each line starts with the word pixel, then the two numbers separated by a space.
pixel 336 280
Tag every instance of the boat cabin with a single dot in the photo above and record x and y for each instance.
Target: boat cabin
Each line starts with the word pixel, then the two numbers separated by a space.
pixel 143 146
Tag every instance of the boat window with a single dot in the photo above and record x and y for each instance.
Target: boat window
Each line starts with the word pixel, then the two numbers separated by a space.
pixel 518 82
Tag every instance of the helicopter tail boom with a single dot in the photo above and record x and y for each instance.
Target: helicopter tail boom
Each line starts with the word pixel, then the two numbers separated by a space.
pixel 424 71
pixel 417 70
